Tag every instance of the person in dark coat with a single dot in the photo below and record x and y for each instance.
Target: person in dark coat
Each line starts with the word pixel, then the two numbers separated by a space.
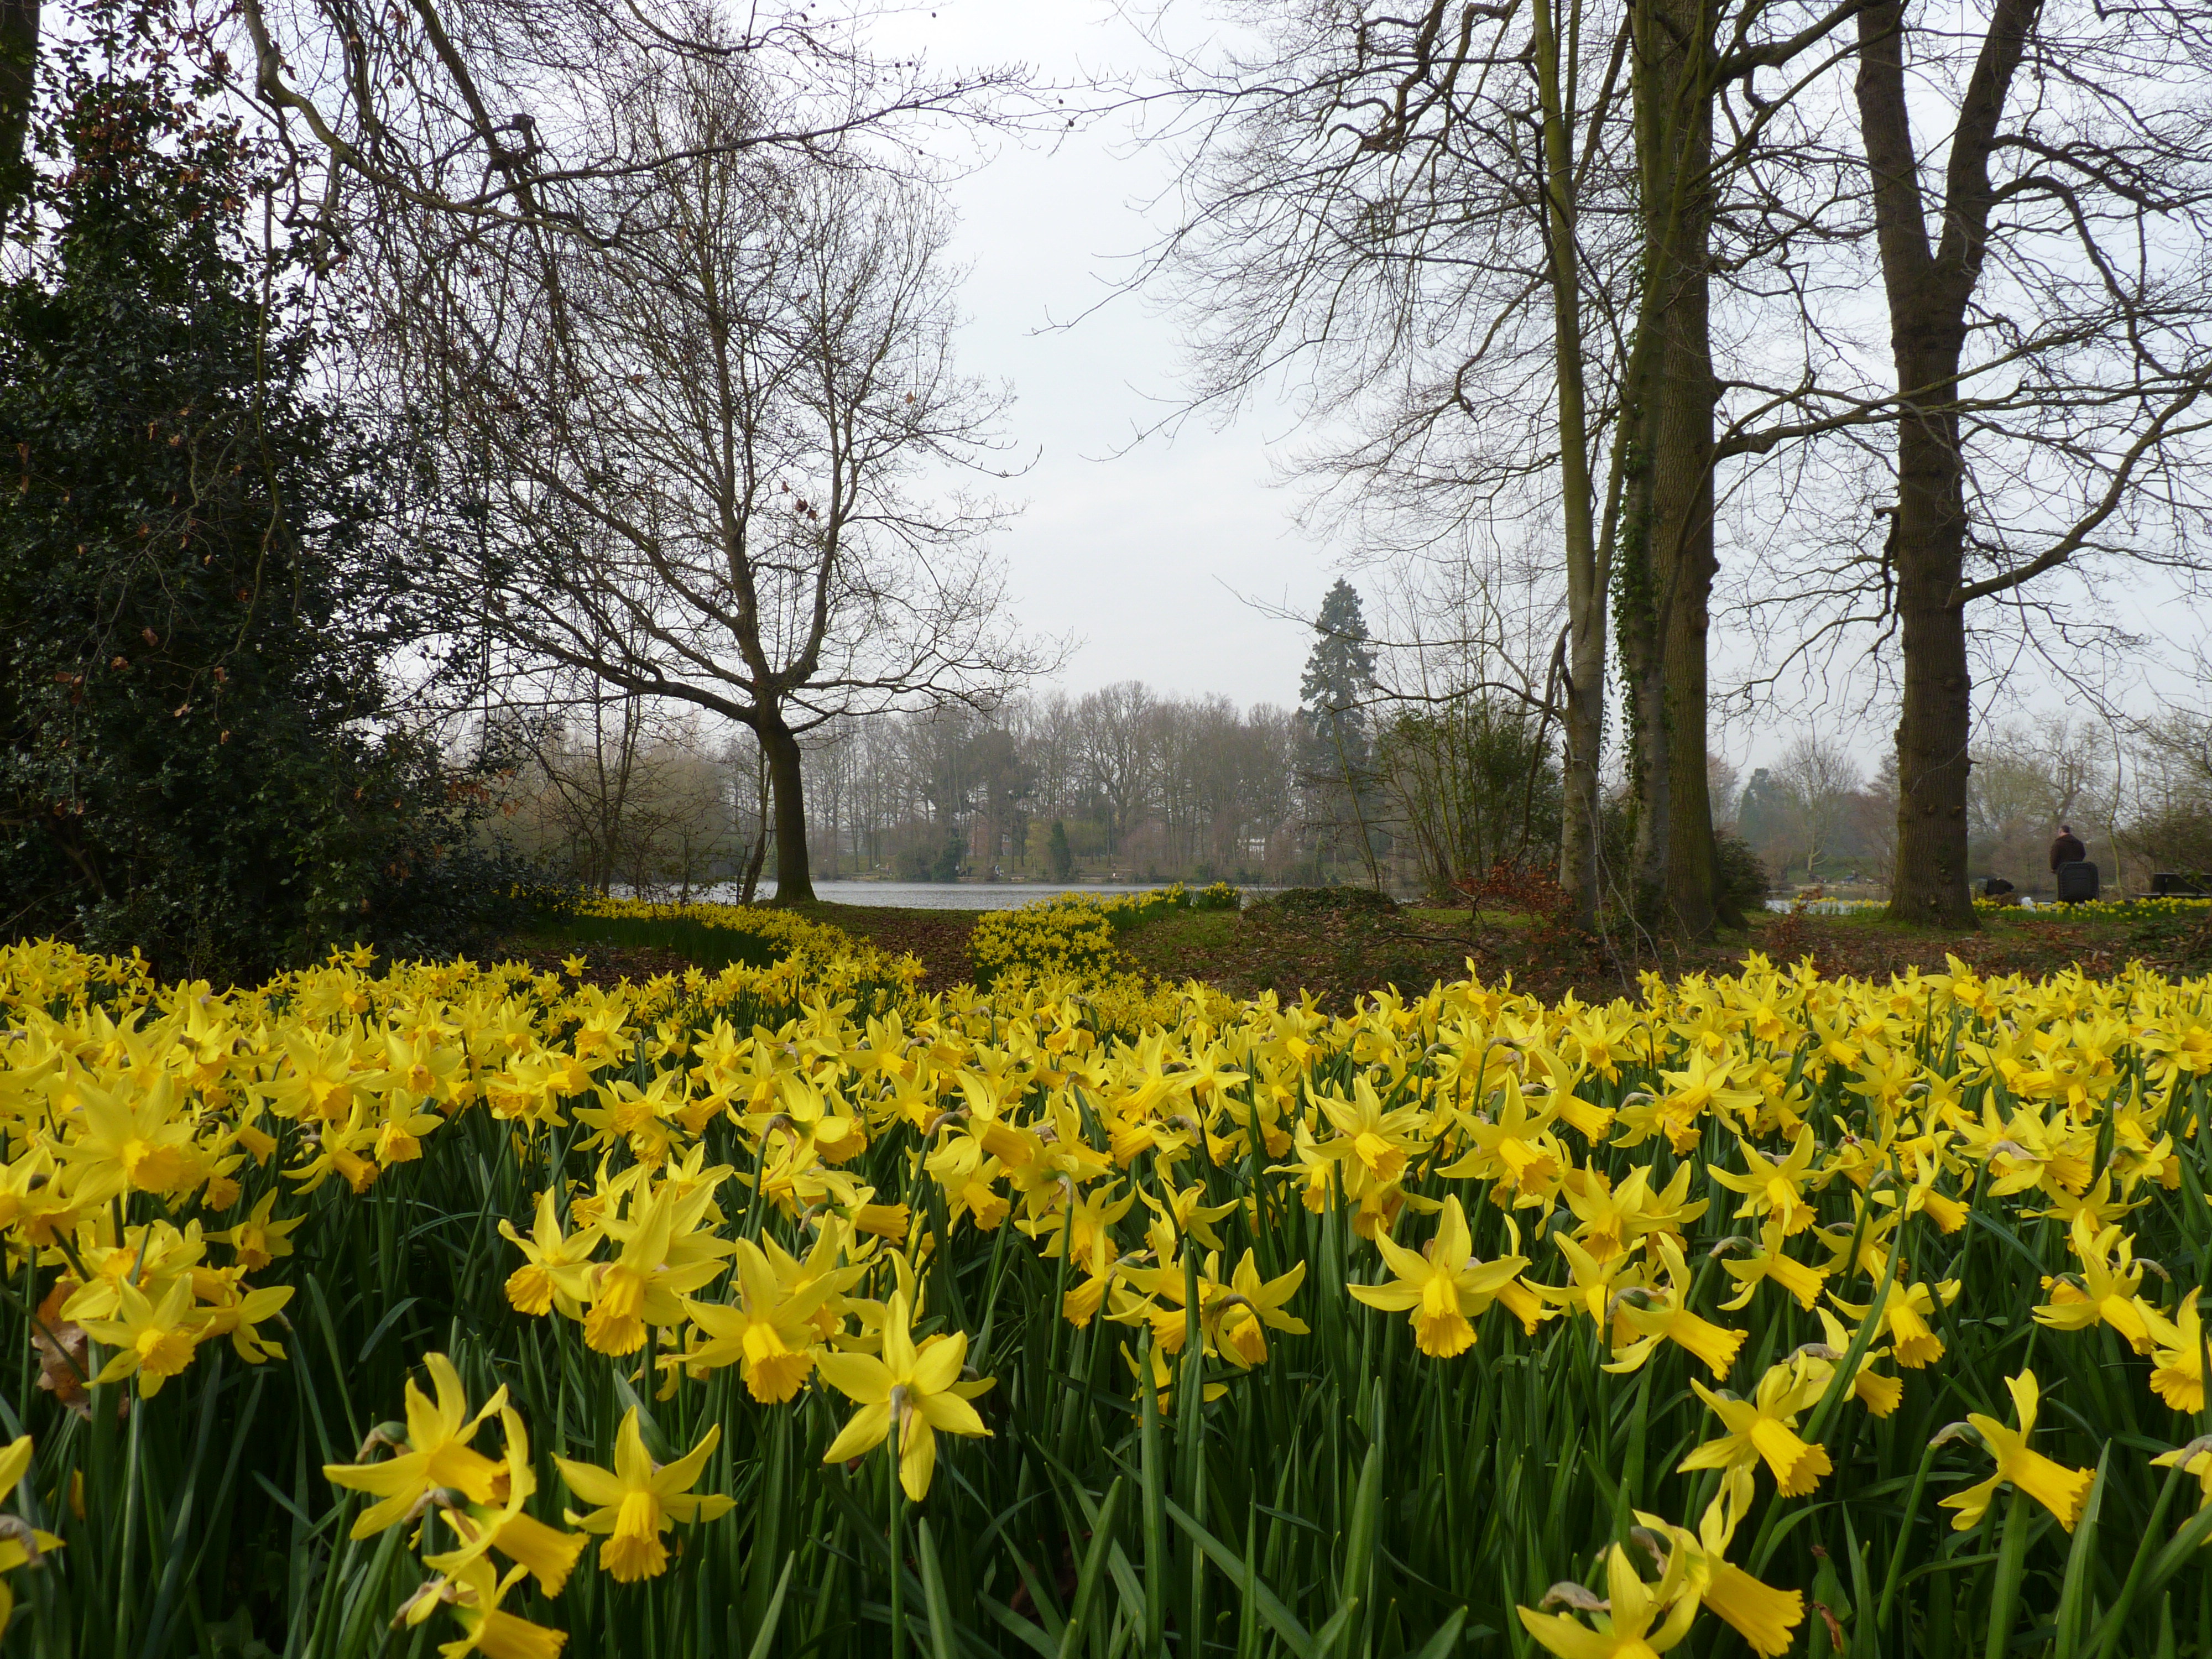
pixel 2067 848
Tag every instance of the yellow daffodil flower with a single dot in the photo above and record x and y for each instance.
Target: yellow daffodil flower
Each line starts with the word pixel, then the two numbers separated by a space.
pixel 1239 1318
pixel 1762 1615
pixel 2061 1490
pixel 1517 1152
pixel 909 1390
pixel 1879 1395
pixel 1774 1187
pixel 132 1137
pixel 153 1341
pixel 1636 1620
pixel 2107 1292
pixel 1644 1315
pixel 18 1549
pixel 770 1335
pixel 1905 1313
pixel 2196 1458
pixel 639 1500
pixel 1442 1288
pixel 435 1453
pixel 259 1239
pixel 1764 1429
pixel 547 1554
pixel 473 1593
pixel 2179 1351
pixel 1771 1264
pixel 663 1257
pixel 556 1268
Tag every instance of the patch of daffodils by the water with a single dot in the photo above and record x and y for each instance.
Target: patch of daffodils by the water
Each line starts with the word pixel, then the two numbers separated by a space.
pixel 1071 935
pixel 787 929
pixel 1643 1297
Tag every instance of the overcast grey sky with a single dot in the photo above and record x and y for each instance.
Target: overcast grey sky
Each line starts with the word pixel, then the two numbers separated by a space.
pixel 1138 554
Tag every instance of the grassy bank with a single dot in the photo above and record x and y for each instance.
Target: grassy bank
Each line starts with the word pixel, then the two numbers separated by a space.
pixel 1337 954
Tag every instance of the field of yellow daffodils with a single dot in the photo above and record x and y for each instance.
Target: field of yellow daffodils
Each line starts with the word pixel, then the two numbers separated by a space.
pixel 783 1310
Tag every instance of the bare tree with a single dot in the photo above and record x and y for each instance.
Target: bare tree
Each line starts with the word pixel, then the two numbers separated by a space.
pixel 1723 781
pixel 755 790
pixel 2029 777
pixel 2166 822
pixel 1118 755
pixel 719 443
pixel 2051 323
pixel 1490 232
pixel 442 125
pixel 1821 779
pixel 614 790
pixel 1205 790
pixel 570 803
pixel 1402 205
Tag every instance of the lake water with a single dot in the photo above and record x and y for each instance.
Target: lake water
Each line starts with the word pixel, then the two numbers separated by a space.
pixel 961 895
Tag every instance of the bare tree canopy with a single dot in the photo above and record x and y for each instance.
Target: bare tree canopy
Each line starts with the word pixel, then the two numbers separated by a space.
pixel 1589 280
pixel 1487 235
pixel 723 451
pixel 486 112
pixel 2051 314
pixel 1126 782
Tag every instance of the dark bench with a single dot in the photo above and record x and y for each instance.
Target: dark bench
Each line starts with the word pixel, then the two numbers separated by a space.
pixel 2077 883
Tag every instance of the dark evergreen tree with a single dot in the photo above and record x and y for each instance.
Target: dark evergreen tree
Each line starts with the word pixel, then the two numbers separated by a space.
pixel 1764 810
pixel 1338 768
pixel 1338 680
pixel 195 587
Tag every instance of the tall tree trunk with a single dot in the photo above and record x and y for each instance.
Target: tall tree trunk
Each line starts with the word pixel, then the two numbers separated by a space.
pixel 793 884
pixel 1650 770
pixel 1582 649
pixel 1683 567
pixel 1667 535
pixel 1929 291
pixel 19 71
pixel 1635 596
pixel 1929 880
pixel 763 824
pixel 1581 825
pixel 749 885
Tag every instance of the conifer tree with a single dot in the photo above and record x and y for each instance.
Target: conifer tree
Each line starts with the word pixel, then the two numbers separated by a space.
pixel 1339 768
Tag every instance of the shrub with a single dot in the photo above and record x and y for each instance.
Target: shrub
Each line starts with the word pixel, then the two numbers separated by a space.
pixel 199 578
pixel 2179 839
pixel 950 858
pixel 1296 904
pixel 1742 878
